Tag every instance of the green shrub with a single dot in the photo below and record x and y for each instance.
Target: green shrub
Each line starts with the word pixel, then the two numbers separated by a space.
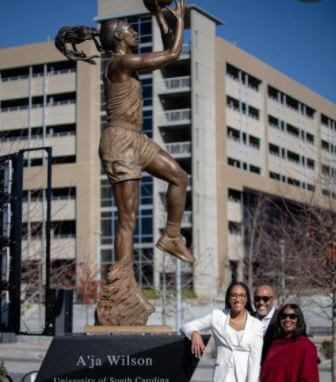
pixel 3 372
pixel 327 348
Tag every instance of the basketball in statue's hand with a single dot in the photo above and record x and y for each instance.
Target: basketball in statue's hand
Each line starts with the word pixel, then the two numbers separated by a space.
pixel 150 4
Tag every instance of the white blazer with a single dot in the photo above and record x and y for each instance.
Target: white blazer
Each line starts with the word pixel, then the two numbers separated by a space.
pixel 245 358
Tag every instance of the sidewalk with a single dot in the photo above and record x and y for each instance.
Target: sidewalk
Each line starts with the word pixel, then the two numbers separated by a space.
pixel 27 354
pixel 24 356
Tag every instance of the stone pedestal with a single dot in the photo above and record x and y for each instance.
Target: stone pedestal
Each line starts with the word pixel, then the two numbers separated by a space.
pixel 119 358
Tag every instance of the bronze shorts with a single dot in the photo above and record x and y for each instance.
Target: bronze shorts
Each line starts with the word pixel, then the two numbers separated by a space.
pixel 125 153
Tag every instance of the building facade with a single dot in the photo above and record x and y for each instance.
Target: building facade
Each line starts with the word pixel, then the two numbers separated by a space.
pixel 232 122
pixel 47 100
pixel 274 136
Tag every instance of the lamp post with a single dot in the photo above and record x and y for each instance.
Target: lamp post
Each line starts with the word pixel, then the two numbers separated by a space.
pixel 283 280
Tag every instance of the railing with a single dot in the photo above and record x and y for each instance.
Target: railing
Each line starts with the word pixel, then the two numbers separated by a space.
pixel 61 71
pixel 178 115
pixel 39 199
pixel 186 219
pixel 61 236
pixel 34 75
pixel 175 83
pixel 180 148
pixel 37 105
pixel 25 137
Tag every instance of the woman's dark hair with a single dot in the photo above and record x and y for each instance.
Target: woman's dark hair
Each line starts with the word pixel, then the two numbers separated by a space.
pixel 103 39
pixel 248 305
pixel 300 326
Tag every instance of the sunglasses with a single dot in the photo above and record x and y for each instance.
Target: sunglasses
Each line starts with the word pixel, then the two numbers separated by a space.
pixel 291 316
pixel 262 298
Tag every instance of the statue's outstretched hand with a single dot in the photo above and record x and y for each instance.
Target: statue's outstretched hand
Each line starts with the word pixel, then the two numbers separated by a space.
pixel 179 10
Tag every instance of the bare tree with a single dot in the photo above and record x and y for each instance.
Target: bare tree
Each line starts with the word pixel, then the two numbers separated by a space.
pixel 293 246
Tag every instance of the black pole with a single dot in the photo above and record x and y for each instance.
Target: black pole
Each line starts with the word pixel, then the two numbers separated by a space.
pixel 48 222
pixel 49 328
pixel 16 242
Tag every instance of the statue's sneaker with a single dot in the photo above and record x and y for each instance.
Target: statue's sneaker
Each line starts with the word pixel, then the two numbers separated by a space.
pixel 176 247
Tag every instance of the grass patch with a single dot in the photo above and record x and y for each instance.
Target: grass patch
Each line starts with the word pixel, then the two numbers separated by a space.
pixel 188 293
pixel 151 293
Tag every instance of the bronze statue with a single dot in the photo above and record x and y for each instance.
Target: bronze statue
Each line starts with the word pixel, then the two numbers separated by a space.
pixel 125 151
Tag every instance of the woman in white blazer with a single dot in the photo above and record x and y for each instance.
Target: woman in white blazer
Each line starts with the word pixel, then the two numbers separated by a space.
pixel 238 337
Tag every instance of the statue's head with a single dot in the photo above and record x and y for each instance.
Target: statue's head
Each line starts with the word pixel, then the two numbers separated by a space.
pixel 114 32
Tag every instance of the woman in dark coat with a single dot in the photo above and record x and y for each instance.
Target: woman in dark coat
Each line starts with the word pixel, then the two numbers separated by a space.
pixel 292 357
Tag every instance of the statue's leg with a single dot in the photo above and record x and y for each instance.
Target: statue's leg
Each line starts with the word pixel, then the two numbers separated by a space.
pixel 163 166
pixel 126 195
pixel 122 301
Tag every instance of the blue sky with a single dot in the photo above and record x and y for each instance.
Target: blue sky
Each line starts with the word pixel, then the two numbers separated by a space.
pixel 293 37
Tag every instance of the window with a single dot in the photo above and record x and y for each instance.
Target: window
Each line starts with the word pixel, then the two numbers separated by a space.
pixel 274 122
pixel 232 71
pixel 325 169
pixel 234 195
pixel 273 93
pixel 293 157
pixel 254 169
pixel 16 73
pixel 310 163
pixel 15 104
pixel 234 228
pixel 254 142
pixel 274 175
pixel 324 120
pixel 233 133
pixel 292 103
pixel 293 130
pixel 310 138
pixel 274 150
pixel 233 162
pixel 253 83
pixel 310 112
pixel 253 112
pixel 325 145
pixel 246 79
pixel 232 103
pixel 293 182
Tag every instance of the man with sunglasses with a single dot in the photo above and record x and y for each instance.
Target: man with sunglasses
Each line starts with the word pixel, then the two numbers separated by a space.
pixel 264 299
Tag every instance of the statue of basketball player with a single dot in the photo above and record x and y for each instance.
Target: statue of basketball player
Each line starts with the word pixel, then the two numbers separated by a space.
pixel 124 150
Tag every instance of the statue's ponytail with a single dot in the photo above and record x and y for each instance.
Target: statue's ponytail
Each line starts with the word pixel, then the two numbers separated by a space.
pixel 76 35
